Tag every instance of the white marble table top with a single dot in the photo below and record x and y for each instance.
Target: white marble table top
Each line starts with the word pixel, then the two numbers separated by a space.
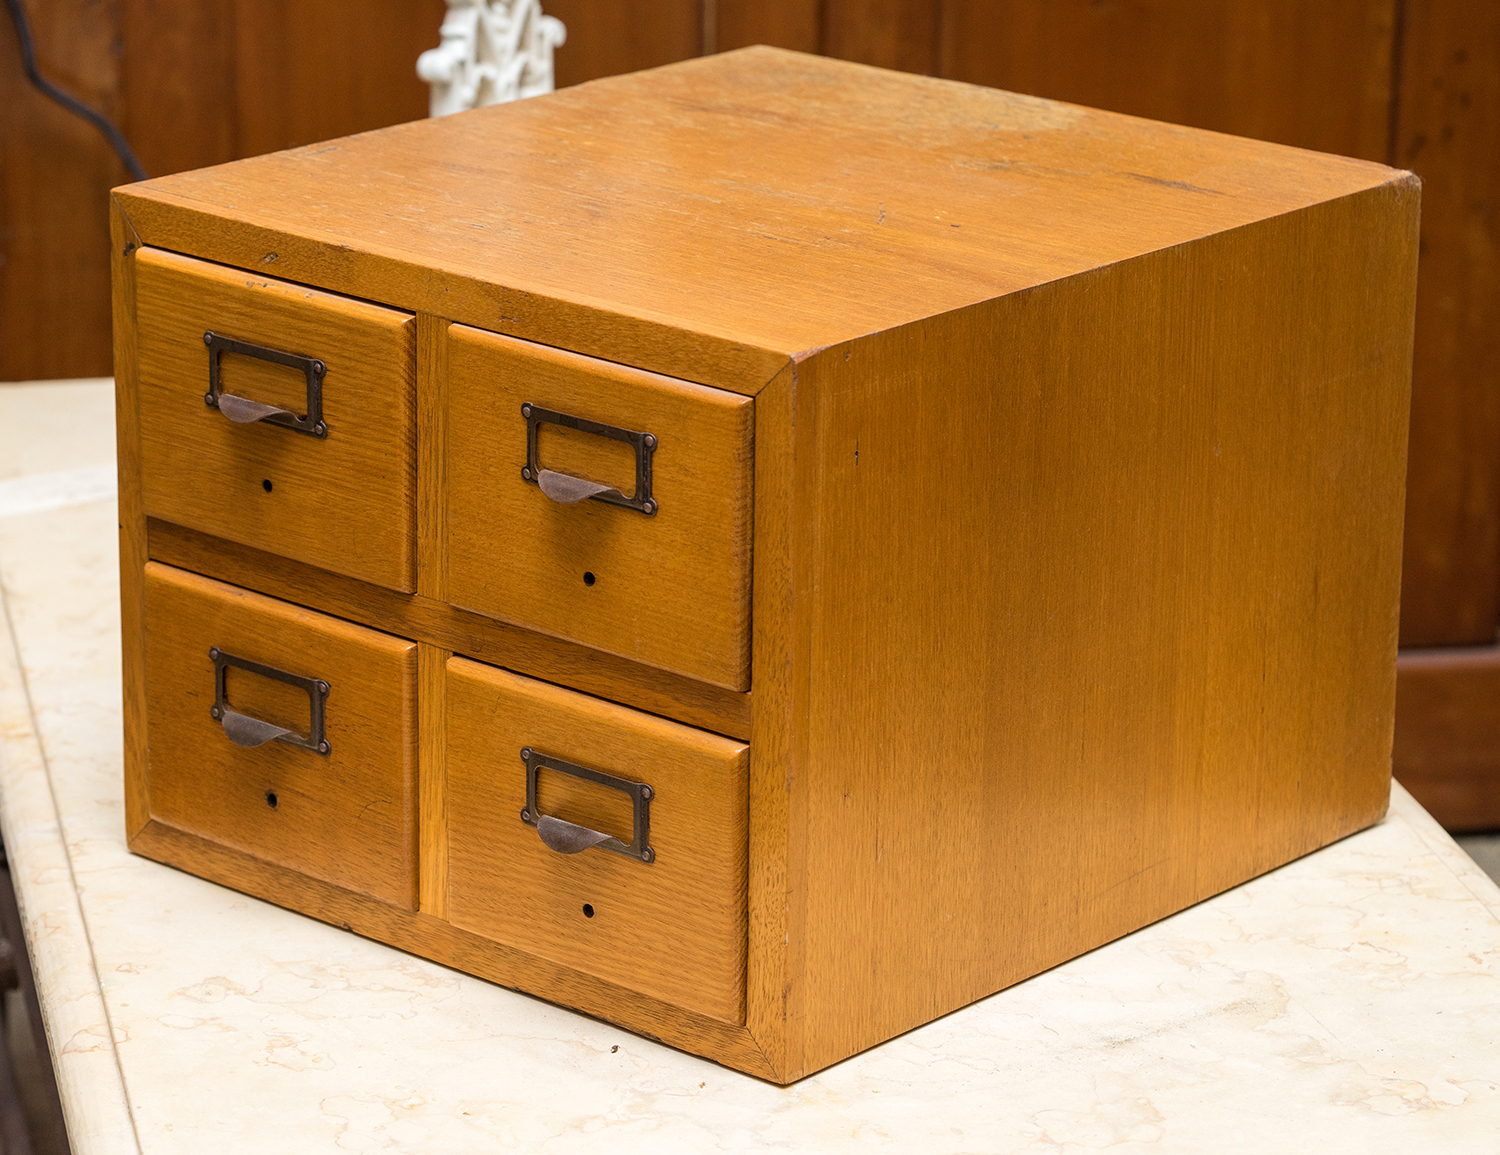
pixel 1348 1002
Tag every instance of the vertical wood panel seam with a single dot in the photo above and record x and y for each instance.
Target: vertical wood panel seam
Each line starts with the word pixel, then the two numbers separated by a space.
pixel 1398 64
pixel 228 16
pixel 708 27
pixel 935 39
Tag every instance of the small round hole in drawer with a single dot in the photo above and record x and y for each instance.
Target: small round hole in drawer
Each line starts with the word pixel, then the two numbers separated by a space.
pixel 588 578
pixel 588 910
pixel 266 485
pixel 271 799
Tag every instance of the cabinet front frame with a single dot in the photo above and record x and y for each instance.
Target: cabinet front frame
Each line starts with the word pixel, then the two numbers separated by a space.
pixel 759 1046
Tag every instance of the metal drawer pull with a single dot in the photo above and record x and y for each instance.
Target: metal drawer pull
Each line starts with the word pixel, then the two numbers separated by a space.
pixel 566 489
pixel 570 838
pixel 566 837
pixel 243 411
pixel 243 730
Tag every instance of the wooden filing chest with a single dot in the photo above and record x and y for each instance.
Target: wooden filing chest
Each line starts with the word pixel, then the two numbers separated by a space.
pixel 764 551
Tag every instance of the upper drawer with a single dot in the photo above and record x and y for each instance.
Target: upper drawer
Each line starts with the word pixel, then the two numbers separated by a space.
pixel 531 431
pixel 341 499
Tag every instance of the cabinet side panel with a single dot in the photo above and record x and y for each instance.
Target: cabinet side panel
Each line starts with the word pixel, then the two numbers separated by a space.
pixel 1104 605
pixel 123 245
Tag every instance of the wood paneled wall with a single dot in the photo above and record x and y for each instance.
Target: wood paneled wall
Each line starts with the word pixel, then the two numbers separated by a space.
pixel 1447 129
pixel 190 83
pixel 607 38
pixel 1415 83
pixel 54 170
pixel 1313 73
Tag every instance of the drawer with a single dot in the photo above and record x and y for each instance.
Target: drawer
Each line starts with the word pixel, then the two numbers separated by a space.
pixel 343 501
pixel 669 586
pixel 672 928
pixel 344 814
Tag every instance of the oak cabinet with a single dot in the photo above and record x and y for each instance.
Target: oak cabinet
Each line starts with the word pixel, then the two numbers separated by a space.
pixel 836 543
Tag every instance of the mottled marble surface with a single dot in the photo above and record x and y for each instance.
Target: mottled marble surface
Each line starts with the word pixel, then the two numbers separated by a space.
pixel 1348 1002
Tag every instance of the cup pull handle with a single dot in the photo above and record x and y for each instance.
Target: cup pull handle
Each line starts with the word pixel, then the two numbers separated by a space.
pixel 243 730
pixel 567 837
pixel 566 489
pixel 570 838
pixel 243 411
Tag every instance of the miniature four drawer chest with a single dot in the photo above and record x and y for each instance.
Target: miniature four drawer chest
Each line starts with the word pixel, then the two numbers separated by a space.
pixel 765 551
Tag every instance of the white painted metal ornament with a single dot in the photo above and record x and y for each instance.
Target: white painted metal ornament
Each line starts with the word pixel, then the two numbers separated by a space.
pixel 492 51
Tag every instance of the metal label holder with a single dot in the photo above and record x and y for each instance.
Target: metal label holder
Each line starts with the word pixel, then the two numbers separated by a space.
pixel 317 696
pixel 639 793
pixel 644 445
pixel 312 368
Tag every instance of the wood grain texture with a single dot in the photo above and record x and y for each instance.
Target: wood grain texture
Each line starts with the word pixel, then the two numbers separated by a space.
pixel 344 502
pixel 886 33
pixel 55 175
pixel 348 817
pixel 1447 748
pixel 845 202
pixel 1311 73
pixel 306 72
pixel 793 24
pixel 207 81
pixel 778 789
pixel 432 780
pixel 1134 642
pixel 178 93
pixel 123 248
pixel 670 590
pixel 442 942
pixel 428 620
pixel 673 928
pixel 191 83
pixel 606 37
pixel 1448 130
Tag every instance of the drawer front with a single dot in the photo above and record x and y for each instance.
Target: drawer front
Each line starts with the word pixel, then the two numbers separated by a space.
pixel 670 587
pixel 672 928
pixel 343 502
pixel 346 815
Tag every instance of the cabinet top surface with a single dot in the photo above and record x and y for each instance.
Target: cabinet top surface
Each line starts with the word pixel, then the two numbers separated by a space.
pixel 767 198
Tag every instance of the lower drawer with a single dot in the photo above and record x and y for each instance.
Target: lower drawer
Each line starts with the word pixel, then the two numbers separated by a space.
pixel 660 905
pixel 283 733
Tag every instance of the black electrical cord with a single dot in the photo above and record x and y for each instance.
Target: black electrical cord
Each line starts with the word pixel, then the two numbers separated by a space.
pixel 72 104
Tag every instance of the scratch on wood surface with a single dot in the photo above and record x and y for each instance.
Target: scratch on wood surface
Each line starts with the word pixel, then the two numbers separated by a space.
pixel 1173 184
